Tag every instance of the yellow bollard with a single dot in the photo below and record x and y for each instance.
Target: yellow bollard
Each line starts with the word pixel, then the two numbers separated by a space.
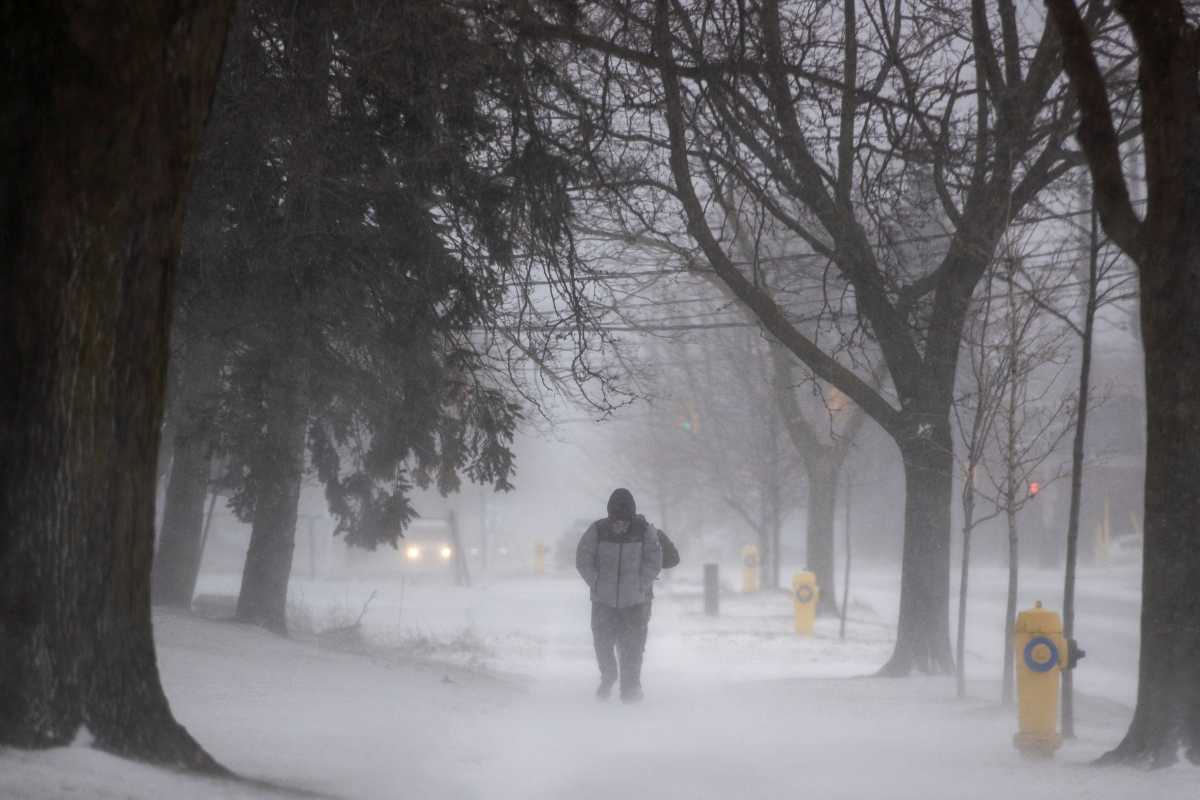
pixel 1041 654
pixel 539 558
pixel 750 568
pixel 805 594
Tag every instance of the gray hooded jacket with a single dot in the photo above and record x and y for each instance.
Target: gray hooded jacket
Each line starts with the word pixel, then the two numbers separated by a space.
pixel 620 569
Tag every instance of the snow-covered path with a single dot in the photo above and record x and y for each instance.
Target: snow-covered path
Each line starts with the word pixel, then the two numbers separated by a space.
pixel 835 738
pixel 486 693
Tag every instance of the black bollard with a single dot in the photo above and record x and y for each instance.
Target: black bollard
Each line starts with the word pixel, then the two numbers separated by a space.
pixel 712 588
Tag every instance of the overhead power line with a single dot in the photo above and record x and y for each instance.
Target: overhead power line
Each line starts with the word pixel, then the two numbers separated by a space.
pixel 922 239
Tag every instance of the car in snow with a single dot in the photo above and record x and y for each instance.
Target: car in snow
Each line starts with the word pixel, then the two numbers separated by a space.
pixel 427 547
pixel 427 552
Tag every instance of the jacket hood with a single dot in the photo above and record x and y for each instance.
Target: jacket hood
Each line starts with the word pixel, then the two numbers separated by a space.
pixel 621 505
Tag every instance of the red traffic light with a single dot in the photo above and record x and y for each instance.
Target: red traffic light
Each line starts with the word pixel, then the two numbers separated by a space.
pixel 1034 488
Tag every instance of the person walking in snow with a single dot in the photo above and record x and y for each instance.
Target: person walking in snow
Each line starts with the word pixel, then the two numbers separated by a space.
pixel 619 557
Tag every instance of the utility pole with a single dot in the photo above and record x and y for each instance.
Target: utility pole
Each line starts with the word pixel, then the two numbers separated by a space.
pixel 846 578
pixel 1085 369
pixel 1010 487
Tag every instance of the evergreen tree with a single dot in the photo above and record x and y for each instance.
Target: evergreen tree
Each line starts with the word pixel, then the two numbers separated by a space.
pixel 357 242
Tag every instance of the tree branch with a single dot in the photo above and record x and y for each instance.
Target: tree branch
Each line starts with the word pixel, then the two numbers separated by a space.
pixel 771 315
pixel 1097 134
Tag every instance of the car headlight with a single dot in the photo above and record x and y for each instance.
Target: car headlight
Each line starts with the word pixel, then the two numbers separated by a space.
pixel 412 552
pixel 446 551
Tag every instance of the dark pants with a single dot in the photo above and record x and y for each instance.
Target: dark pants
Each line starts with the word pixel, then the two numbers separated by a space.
pixel 622 630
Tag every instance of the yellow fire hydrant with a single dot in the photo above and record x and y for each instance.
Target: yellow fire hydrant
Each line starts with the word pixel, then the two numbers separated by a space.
pixel 750 568
pixel 805 594
pixel 1041 654
pixel 539 558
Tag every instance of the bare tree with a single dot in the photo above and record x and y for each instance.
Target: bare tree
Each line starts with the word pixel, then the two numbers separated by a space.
pixel 820 421
pixel 1012 416
pixel 982 399
pixel 716 429
pixel 1034 418
pixel 754 471
pixel 824 126
pixel 1164 243
pixel 823 449
pixel 1102 278
pixel 1104 284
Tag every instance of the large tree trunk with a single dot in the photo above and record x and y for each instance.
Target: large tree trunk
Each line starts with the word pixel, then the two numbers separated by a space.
pixel 1165 244
pixel 822 506
pixel 104 104
pixel 278 472
pixel 279 466
pixel 1167 717
pixel 923 632
pixel 177 561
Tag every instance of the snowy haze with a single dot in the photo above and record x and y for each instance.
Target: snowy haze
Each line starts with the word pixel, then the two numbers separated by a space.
pixel 377 271
pixel 486 691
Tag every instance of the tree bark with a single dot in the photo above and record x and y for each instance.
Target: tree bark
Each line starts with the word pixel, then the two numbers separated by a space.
pixel 923 631
pixel 1167 717
pixel 104 105
pixel 278 474
pixel 177 561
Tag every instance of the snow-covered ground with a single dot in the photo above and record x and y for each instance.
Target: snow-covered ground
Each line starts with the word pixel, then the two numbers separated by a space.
pixel 487 693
